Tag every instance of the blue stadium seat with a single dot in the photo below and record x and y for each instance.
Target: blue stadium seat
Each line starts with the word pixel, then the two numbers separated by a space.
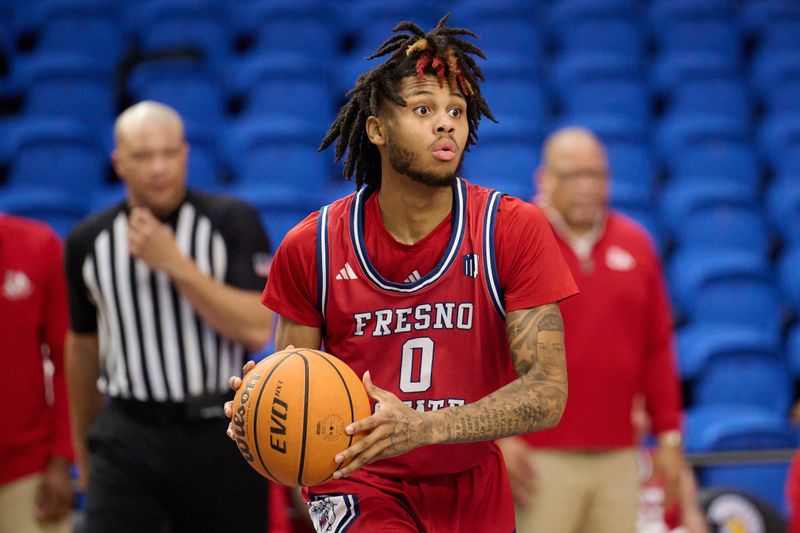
pixel 672 70
pixel 291 85
pixel 59 209
pixel 775 24
pixel 598 27
pixel 513 90
pixel 779 142
pixel 163 26
pixel 691 26
pixel 370 22
pixel 735 365
pixel 793 351
pixel 789 276
pixel 643 215
pixel 204 167
pixel 56 153
pixel 783 207
pixel 776 77
pixel 196 92
pixel 296 26
pixel 758 16
pixel 503 27
pixel 715 97
pixel 736 428
pixel 725 288
pixel 68 86
pixel 605 84
pixel 103 197
pixel 717 148
pixel 280 208
pixel 262 152
pixel 505 157
pixel 86 27
pixel 707 215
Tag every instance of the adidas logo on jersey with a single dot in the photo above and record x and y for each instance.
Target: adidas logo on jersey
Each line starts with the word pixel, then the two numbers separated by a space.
pixel 346 272
pixel 412 278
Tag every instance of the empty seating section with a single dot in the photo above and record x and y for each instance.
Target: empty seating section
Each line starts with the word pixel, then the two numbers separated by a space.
pixel 697 102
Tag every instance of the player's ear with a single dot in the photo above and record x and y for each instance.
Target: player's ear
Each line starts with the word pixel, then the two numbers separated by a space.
pixel 375 130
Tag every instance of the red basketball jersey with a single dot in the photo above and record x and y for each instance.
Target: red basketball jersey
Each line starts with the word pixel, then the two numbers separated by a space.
pixel 436 341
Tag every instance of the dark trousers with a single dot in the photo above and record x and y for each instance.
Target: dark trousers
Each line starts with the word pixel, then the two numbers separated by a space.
pixel 160 472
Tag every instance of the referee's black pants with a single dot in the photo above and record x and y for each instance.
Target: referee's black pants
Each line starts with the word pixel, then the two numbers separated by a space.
pixel 154 472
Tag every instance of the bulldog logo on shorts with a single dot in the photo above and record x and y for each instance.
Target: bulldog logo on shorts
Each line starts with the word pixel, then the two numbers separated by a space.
pixel 333 513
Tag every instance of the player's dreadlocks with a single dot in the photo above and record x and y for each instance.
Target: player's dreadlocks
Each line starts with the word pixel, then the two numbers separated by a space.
pixel 442 53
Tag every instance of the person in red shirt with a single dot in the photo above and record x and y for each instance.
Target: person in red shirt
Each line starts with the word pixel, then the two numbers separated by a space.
pixel 582 476
pixel 35 444
pixel 432 288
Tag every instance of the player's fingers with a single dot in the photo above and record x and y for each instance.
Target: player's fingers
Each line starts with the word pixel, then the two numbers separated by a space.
pixel 234 382
pixel 364 425
pixel 375 392
pixel 358 447
pixel 229 431
pixel 228 408
pixel 248 366
pixel 365 457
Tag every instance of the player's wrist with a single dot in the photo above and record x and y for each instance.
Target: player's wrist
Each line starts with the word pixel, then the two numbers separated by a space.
pixel 433 425
pixel 670 439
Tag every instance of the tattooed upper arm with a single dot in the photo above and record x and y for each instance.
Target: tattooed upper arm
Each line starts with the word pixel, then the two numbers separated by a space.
pixel 536 343
pixel 535 336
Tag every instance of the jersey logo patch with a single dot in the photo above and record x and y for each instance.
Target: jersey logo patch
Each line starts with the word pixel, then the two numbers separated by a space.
pixel 471 265
pixel 16 285
pixel 414 276
pixel 619 259
pixel 346 272
pixel 261 264
pixel 333 513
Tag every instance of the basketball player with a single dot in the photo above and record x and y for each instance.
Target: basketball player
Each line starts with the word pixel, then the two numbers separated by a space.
pixel 433 289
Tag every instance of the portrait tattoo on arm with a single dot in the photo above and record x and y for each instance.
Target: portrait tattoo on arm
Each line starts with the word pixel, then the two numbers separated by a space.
pixel 532 402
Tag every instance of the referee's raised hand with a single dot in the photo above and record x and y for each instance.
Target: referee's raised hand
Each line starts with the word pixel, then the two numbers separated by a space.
pixel 153 242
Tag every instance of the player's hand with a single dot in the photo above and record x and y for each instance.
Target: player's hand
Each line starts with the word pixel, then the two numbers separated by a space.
pixel 153 241
pixel 668 463
pixel 521 470
pixel 55 494
pixel 234 382
pixel 395 429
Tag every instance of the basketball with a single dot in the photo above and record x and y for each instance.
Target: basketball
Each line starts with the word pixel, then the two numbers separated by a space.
pixel 290 412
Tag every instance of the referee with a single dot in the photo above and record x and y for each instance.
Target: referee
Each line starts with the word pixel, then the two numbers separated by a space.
pixel 164 301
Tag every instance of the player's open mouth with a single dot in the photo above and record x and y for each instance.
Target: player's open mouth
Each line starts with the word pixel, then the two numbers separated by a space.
pixel 444 150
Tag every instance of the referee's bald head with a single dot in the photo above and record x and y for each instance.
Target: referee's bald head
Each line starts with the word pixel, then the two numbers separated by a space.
pixel 145 112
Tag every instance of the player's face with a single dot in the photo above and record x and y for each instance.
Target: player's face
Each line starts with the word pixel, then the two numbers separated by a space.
pixel 151 159
pixel 426 138
pixel 578 183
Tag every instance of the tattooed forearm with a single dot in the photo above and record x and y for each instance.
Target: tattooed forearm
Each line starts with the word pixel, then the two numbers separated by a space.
pixel 532 402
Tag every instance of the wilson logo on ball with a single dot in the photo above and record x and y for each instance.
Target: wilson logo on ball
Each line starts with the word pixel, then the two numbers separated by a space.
pixel 239 418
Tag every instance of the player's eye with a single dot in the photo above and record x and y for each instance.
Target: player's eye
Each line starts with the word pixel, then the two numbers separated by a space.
pixel 455 112
pixel 422 110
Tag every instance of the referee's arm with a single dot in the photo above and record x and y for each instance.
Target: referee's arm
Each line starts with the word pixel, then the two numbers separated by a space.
pixel 82 355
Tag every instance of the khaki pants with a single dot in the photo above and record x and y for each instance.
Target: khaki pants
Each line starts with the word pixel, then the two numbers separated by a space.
pixel 583 492
pixel 17 511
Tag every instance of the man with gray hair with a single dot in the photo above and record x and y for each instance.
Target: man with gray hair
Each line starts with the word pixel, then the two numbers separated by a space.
pixel 582 475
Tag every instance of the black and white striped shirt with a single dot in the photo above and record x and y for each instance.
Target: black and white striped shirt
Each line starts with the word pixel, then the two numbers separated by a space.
pixel 153 346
